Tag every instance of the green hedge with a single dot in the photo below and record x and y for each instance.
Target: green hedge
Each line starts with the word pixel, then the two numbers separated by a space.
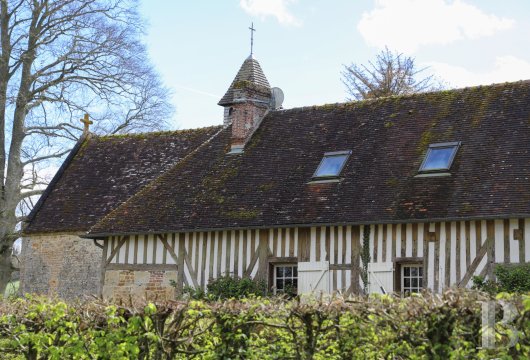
pixel 226 287
pixel 417 327
pixel 512 278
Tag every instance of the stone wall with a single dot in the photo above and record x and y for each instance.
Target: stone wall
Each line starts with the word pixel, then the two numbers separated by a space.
pixel 60 264
pixel 139 285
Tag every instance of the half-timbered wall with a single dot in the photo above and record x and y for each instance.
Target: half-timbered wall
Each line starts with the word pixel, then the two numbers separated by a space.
pixel 451 252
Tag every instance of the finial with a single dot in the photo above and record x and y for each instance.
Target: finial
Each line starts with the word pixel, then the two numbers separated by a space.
pixel 252 38
pixel 86 120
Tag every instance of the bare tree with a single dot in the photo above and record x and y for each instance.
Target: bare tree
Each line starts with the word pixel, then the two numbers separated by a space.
pixel 58 60
pixel 392 73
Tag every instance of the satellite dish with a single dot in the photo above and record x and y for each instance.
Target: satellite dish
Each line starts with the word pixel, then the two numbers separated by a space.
pixel 277 98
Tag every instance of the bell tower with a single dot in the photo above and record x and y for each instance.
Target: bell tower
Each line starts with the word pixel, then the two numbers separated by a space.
pixel 246 101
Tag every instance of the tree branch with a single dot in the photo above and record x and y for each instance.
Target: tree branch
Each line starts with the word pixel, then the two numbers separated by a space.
pixel 31 193
pixel 46 157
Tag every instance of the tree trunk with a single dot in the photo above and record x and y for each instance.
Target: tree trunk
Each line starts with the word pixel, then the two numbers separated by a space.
pixel 5 270
pixel 84 48
pixel 15 168
pixel 5 55
pixel 5 244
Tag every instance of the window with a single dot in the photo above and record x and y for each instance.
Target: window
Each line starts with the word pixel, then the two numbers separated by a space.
pixel 285 279
pixel 439 157
pixel 332 164
pixel 411 278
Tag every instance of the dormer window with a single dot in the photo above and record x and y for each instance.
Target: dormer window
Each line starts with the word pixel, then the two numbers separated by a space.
pixel 332 164
pixel 439 157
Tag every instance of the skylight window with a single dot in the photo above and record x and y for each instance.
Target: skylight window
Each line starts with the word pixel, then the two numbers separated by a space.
pixel 332 164
pixel 439 157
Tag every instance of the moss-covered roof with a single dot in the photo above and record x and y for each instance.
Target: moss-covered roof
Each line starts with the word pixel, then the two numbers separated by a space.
pixel 102 172
pixel 269 184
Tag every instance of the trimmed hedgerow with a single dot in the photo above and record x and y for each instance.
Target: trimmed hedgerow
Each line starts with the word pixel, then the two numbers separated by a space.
pixel 384 327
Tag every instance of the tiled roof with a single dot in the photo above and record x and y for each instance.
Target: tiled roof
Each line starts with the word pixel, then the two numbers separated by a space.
pixel 268 185
pixel 103 172
pixel 249 76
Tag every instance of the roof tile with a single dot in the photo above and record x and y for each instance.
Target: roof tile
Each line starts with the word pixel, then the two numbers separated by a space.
pixel 268 185
pixel 250 76
pixel 106 171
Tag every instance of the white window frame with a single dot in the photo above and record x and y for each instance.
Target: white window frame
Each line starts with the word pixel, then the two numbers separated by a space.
pixel 292 277
pixel 419 276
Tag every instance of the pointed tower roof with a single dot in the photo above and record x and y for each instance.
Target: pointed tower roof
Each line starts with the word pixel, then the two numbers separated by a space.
pixel 251 77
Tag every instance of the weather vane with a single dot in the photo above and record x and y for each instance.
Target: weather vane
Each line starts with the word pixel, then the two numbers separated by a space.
pixel 252 38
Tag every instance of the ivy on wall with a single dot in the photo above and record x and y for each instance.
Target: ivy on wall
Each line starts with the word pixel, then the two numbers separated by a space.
pixel 365 257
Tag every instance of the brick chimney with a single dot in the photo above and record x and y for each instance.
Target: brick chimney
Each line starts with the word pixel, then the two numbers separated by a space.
pixel 245 103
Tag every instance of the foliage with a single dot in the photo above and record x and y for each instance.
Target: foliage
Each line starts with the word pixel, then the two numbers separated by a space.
pixel 488 286
pixel 380 327
pixel 513 278
pixel 365 257
pixel 392 73
pixel 191 292
pixel 227 287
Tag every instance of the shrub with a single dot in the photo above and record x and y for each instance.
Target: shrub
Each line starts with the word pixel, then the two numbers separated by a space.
pixel 194 293
pixel 488 286
pixel 513 278
pixel 227 287
pixel 510 278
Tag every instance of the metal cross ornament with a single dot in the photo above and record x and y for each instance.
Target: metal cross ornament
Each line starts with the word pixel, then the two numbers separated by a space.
pixel 252 38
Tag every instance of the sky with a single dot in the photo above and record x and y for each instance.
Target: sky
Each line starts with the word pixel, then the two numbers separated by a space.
pixel 302 45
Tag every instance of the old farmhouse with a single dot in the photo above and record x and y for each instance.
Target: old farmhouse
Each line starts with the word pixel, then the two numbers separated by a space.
pixel 441 179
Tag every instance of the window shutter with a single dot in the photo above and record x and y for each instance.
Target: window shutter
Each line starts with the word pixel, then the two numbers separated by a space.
pixel 381 278
pixel 313 277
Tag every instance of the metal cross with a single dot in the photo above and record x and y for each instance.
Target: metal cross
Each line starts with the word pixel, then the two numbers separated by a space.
pixel 252 38
pixel 86 120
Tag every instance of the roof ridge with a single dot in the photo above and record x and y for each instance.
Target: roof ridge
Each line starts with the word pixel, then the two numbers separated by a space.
pixel 150 184
pixel 154 133
pixel 404 96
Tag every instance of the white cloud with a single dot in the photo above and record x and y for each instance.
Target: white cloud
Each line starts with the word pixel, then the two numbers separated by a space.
pixel 405 25
pixel 506 68
pixel 275 8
